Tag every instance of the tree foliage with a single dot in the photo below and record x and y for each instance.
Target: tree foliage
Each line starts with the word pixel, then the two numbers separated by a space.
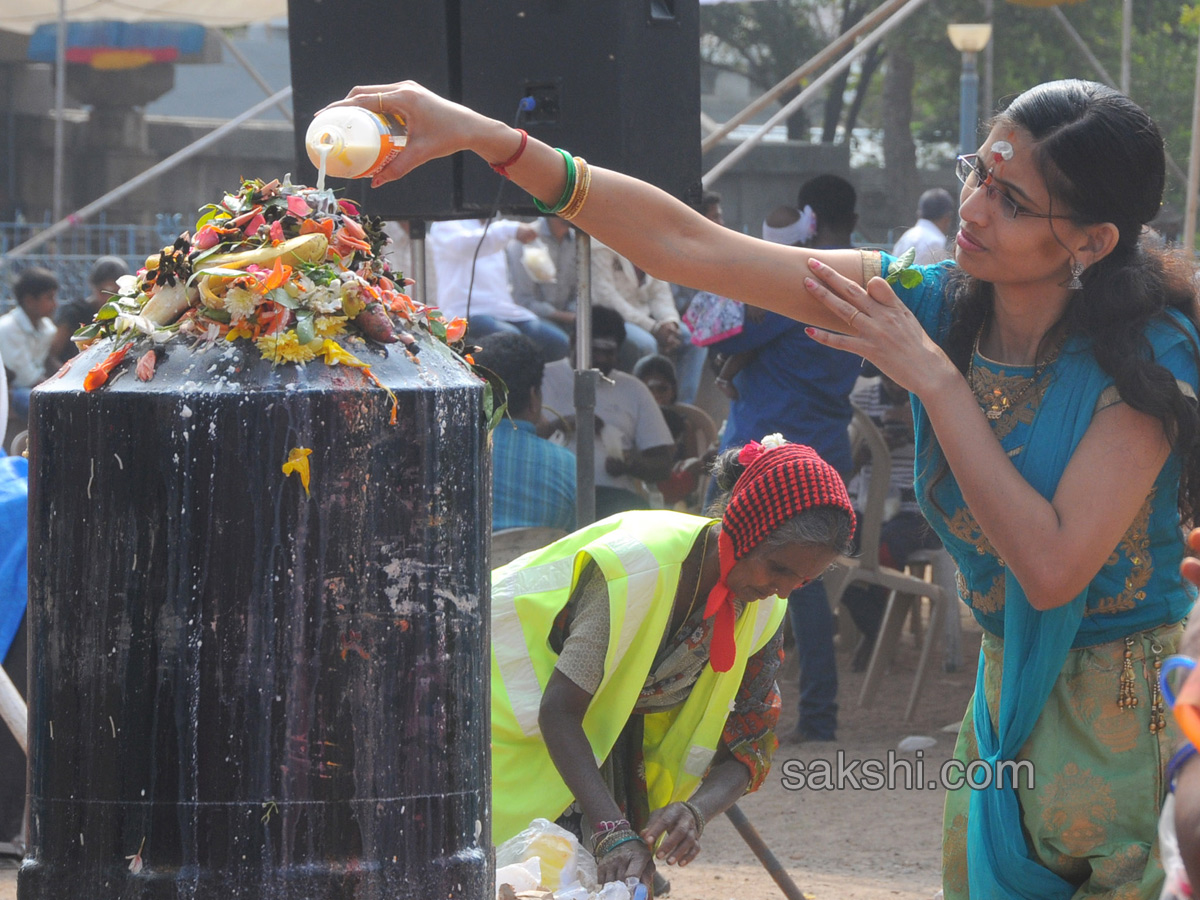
pixel 767 40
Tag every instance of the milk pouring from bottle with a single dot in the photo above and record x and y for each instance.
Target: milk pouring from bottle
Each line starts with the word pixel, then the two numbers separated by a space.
pixel 351 142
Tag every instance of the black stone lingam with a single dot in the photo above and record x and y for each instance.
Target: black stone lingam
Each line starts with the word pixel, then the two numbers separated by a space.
pixel 238 690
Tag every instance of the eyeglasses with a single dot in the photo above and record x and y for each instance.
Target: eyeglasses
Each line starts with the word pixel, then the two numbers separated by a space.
pixel 971 173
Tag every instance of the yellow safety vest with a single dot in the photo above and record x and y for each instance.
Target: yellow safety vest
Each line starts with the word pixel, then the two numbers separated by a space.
pixel 640 555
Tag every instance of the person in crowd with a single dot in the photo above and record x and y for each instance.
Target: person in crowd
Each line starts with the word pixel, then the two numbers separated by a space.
pixel 710 208
pixel 551 300
pixel 904 529
pixel 1053 372
pixel 679 702
pixel 935 217
pixel 26 332
pixel 652 323
pixel 472 281
pixel 74 314
pixel 788 382
pixel 632 439
pixel 533 480
pixel 788 225
pixel 694 431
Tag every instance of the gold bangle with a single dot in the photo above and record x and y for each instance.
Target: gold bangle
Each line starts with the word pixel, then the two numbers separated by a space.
pixel 583 184
pixel 579 193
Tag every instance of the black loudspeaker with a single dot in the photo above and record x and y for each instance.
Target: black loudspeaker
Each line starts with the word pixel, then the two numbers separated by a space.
pixel 337 44
pixel 614 81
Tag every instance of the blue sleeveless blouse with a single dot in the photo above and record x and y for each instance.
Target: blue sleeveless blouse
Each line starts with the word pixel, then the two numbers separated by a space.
pixel 1138 587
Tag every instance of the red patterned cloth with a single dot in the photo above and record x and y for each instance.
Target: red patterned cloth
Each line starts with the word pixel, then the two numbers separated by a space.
pixel 779 482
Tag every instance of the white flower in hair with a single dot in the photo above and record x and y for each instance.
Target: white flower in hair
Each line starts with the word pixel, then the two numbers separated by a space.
pixel 771 441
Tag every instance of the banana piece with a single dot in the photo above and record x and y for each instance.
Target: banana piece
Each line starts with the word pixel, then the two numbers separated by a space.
pixel 169 303
pixel 309 248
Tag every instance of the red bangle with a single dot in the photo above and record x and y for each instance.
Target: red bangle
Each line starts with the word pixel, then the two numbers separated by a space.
pixel 502 168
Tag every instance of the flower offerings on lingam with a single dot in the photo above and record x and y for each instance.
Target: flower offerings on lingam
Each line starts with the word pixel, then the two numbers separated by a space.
pixel 259 508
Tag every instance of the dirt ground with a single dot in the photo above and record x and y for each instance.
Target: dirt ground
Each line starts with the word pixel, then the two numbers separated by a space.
pixel 846 844
pixel 835 844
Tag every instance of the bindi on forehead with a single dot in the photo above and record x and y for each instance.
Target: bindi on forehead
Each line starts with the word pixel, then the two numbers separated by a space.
pixel 1002 152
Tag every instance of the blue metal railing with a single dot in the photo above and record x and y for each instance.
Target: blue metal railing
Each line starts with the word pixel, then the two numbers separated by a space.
pixel 70 255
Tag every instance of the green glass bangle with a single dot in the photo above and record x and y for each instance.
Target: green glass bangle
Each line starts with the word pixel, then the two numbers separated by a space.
pixel 567 191
pixel 615 844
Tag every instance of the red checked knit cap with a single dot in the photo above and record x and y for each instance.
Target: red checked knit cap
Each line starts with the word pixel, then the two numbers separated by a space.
pixel 778 483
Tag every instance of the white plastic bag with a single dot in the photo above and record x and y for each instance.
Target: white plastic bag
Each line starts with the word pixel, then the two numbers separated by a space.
pixel 522 876
pixel 562 859
pixel 535 256
pixel 613 890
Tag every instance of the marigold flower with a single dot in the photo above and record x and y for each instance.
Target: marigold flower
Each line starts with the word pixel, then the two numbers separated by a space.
pixel 286 347
pixel 240 303
pixel 329 326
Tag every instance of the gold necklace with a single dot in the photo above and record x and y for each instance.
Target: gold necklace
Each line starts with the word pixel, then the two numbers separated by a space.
pixel 699 577
pixel 996 401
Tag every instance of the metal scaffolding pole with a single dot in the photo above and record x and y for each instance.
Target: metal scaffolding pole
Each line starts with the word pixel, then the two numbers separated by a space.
pixel 251 71
pixel 1095 63
pixel 711 176
pixel 149 175
pixel 60 102
pixel 830 52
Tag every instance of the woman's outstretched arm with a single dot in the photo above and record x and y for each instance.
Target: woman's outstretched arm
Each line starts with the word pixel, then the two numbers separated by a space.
pixel 660 234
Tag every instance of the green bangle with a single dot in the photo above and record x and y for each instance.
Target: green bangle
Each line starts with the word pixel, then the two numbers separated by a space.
pixel 615 844
pixel 567 191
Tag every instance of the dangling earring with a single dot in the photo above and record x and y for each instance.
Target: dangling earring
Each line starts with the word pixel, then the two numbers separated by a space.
pixel 1076 270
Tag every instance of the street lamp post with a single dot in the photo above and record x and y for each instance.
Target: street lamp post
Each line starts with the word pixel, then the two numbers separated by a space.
pixel 968 40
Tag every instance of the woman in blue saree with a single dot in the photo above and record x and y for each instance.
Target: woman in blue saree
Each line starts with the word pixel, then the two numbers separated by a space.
pixel 1053 370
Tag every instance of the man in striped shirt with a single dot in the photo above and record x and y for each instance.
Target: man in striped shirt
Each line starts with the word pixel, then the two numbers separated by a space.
pixel 533 480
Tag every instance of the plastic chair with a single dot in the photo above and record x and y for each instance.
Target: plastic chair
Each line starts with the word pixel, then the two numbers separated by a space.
pixel 509 543
pixel 943 572
pixel 18 444
pixel 865 568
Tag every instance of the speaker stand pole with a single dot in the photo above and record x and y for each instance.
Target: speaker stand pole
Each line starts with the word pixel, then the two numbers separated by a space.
pixel 586 379
pixel 416 243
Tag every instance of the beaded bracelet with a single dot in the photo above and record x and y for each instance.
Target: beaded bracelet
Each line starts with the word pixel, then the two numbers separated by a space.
pixel 568 191
pixel 582 185
pixel 601 827
pixel 695 811
pixel 502 168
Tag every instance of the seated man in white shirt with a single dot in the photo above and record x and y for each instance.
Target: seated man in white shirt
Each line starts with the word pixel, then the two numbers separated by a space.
pixel 935 217
pixel 472 281
pixel 25 335
pixel 632 439
pixel 652 322
pixel 553 301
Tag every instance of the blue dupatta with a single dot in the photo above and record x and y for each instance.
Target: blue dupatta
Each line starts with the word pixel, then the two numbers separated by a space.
pixel 1036 643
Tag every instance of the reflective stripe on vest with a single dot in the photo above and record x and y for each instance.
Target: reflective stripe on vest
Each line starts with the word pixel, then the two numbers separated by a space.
pixel 639 554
